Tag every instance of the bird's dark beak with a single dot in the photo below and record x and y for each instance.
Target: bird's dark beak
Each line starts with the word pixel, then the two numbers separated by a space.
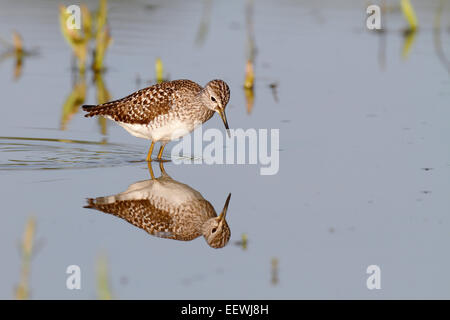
pixel 224 119
pixel 225 208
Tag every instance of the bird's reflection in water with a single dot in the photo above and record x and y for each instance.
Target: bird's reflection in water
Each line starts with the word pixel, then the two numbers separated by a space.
pixel 167 208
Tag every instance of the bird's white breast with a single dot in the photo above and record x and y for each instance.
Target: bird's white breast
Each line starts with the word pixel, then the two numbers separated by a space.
pixel 170 130
pixel 169 191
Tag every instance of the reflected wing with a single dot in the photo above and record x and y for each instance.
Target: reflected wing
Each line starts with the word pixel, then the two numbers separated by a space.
pixel 140 213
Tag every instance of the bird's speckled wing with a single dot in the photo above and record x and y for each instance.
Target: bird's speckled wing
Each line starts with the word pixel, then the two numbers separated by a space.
pixel 140 213
pixel 143 106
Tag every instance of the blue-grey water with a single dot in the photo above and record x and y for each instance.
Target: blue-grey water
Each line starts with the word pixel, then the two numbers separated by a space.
pixel 364 175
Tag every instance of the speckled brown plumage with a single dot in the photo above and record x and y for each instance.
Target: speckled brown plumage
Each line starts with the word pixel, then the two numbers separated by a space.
pixel 166 208
pixel 166 111
pixel 146 105
pixel 178 97
pixel 145 214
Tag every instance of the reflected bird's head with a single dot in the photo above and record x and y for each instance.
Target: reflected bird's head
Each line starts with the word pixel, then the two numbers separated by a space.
pixel 216 230
pixel 215 96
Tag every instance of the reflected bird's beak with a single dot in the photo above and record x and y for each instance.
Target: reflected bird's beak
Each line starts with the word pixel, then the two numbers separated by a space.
pixel 224 119
pixel 225 208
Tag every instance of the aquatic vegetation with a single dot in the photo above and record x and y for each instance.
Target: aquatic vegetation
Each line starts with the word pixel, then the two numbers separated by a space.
pixel 437 37
pixel 160 77
pixel 410 32
pixel 77 97
pixel 22 291
pixel 249 98
pixel 204 23
pixel 103 286
pixel 16 51
pixel 249 75
pixel 249 72
pixel 274 265
pixel 17 43
pixel 103 96
pixel 103 37
pixel 407 44
pixel 103 40
pixel 73 102
pixel 159 70
pixel 243 242
pixel 410 15
pixel 79 39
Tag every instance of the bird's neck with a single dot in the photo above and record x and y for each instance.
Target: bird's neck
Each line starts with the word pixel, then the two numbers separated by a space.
pixel 202 112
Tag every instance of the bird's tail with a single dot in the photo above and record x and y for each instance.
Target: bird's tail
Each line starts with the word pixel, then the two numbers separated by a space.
pixel 95 203
pixel 93 110
pixel 91 204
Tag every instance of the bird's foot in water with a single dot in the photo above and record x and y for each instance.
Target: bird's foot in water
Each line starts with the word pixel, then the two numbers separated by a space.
pixel 160 160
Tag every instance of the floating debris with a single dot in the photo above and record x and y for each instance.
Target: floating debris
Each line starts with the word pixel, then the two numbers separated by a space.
pixel 274 87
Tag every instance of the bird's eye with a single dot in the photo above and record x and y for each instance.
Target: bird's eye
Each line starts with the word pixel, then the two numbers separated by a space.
pixel 213 99
pixel 214 230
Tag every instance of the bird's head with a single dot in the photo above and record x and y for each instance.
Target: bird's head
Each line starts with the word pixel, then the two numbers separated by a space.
pixel 216 230
pixel 215 96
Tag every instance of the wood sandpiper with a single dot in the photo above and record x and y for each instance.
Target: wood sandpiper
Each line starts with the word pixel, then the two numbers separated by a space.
pixel 167 208
pixel 166 111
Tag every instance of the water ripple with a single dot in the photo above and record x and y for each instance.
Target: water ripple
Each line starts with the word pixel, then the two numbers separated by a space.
pixel 21 153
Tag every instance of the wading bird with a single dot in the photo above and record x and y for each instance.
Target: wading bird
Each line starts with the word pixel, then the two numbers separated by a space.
pixel 166 111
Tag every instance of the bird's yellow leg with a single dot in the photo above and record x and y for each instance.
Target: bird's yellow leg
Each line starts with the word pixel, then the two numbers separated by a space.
pixel 161 167
pixel 150 169
pixel 161 151
pixel 149 155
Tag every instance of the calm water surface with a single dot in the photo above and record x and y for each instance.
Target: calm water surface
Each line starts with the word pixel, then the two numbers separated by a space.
pixel 364 173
